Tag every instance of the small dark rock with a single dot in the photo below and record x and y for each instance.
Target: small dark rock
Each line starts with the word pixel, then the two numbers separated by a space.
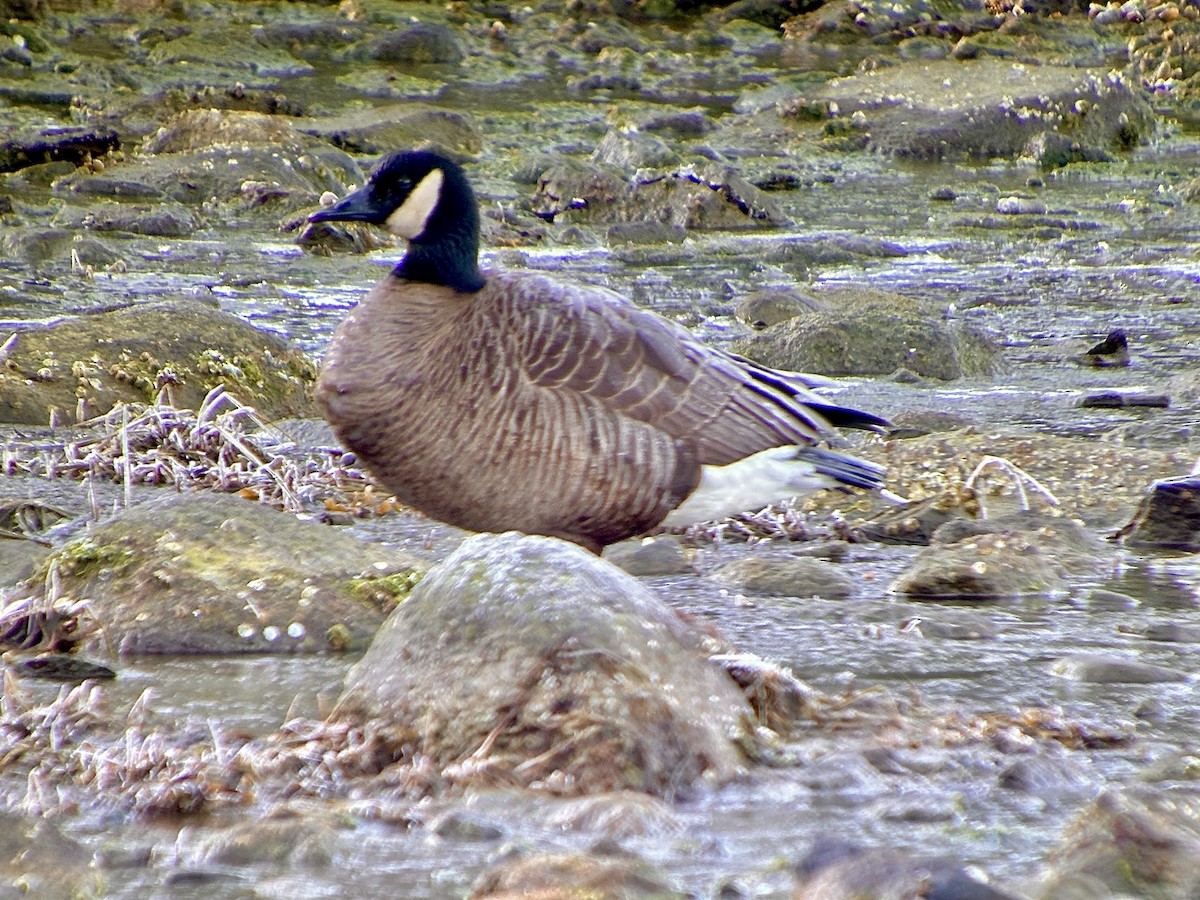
pixel 422 42
pixel 1123 400
pixel 1168 517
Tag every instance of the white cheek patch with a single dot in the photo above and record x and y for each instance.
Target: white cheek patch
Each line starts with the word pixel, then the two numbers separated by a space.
pixel 408 221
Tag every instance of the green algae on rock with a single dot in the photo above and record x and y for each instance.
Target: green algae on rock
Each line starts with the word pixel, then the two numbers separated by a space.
pixel 212 573
pixel 91 363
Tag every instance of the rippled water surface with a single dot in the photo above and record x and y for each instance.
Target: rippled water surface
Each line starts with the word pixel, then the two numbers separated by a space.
pixel 1117 247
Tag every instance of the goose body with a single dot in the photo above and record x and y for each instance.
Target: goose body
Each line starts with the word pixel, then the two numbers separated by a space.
pixel 514 401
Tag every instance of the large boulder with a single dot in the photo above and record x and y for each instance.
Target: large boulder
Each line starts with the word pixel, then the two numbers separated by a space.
pixel 92 362
pixel 532 660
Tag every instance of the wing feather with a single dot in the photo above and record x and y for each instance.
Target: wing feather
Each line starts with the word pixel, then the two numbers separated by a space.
pixel 592 341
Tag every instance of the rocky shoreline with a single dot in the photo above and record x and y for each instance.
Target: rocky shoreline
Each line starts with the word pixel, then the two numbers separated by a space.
pixel 166 491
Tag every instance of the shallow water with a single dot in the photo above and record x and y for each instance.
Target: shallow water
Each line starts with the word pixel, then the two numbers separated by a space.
pixel 1116 248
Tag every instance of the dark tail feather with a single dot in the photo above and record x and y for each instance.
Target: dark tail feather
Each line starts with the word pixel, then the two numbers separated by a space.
pixel 843 468
pixel 844 417
pixel 792 384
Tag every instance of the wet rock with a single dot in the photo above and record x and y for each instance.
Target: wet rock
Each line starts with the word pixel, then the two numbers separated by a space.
pixel 639 233
pixel 786 577
pixel 659 555
pixel 631 150
pixel 74 144
pixel 837 870
pixel 420 42
pixel 1072 548
pixel 201 129
pixel 912 423
pixel 58 667
pixel 702 197
pixel 212 573
pixel 573 875
pixel 130 355
pixel 868 332
pixel 466 825
pixel 163 219
pixel 543 637
pixel 917 521
pixel 990 566
pixel 1112 352
pixel 383 129
pixel 1020 206
pixel 1136 842
pixel 1102 668
pixel 616 816
pixel 211 54
pixel 1123 399
pixel 1173 632
pixel 1168 517
pixel 1042 775
pixel 990 108
pixel 770 306
pixel 305 841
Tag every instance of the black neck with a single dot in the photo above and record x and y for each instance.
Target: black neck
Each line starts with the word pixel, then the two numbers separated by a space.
pixel 451 261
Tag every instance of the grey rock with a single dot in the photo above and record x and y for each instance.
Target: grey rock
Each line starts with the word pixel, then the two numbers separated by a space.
pixel 987 567
pixel 384 129
pixel 770 306
pixel 868 332
pixel 1103 668
pixel 1135 842
pixel 421 42
pixel 1168 516
pixel 786 577
pixel 541 635
pixel 659 555
pixel 990 108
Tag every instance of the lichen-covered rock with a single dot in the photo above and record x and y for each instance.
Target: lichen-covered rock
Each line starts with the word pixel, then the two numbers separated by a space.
pixel 213 573
pixel 869 332
pixel 532 658
pixel 130 355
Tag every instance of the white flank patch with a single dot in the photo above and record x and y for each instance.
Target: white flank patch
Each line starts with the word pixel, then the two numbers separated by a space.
pixel 748 484
pixel 408 221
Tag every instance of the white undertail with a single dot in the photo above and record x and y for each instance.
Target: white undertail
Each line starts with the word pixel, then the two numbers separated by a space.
pixel 749 484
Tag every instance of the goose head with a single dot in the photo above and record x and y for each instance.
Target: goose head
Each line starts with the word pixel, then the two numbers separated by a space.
pixel 425 198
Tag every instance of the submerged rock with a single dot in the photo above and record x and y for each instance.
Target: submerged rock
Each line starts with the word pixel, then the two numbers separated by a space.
pixel 598 876
pixel 212 573
pixel 869 332
pixel 532 658
pixel 836 870
pixel 90 363
pixel 1140 842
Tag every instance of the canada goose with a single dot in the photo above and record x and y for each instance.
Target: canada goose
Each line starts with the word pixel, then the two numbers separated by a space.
pixel 512 401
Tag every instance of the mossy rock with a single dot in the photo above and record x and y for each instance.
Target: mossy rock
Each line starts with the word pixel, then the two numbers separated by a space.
pixel 213 573
pixel 869 332
pixel 129 355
